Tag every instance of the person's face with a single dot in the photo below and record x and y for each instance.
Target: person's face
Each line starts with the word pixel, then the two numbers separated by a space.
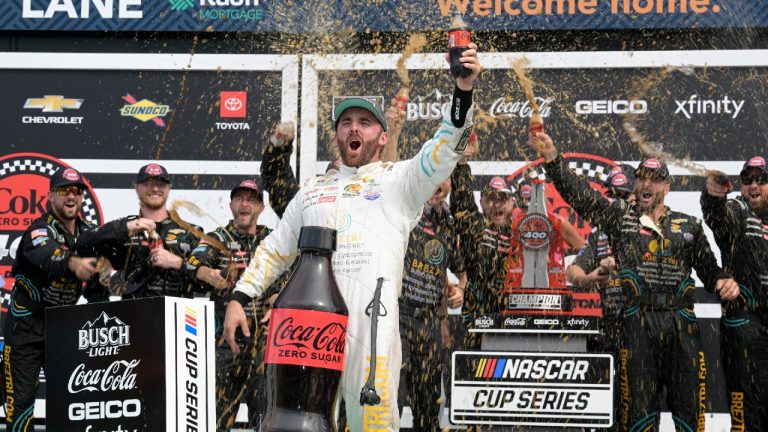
pixel 153 193
pixel 66 201
pixel 360 137
pixel 246 208
pixel 650 192
pixel 438 198
pixel 620 194
pixel 497 207
pixel 754 188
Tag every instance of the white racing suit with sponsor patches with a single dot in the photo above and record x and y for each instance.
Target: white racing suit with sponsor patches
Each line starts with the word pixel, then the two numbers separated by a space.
pixel 373 208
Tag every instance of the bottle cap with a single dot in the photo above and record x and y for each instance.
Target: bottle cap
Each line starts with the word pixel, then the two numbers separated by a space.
pixel 317 237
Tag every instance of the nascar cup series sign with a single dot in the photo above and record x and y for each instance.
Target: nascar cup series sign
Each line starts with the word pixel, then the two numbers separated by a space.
pixel 112 368
pixel 532 389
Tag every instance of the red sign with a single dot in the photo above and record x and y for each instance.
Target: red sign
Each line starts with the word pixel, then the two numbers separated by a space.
pixel 307 338
pixel 233 104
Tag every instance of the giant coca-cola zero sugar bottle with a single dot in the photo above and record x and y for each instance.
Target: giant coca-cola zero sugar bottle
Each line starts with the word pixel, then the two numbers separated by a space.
pixel 306 340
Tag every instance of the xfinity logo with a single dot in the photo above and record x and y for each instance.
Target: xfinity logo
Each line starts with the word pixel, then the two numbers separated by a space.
pixel 695 106
pixel 589 107
pixel 126 9
pixel 578 322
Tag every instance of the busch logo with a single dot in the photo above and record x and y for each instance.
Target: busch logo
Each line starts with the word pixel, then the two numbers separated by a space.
pixel 117 376
pixel 694 106
pixel 483 322
pixel 514 322
pixel 518 109
pixel 429 107
pixel 103 336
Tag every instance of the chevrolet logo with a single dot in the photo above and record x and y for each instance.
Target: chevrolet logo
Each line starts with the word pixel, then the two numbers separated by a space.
pixel 50 103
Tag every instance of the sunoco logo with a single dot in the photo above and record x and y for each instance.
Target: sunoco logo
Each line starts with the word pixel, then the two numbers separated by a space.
pixel 24 181
pixel 103 336
pixel 144 110
pixel 483 322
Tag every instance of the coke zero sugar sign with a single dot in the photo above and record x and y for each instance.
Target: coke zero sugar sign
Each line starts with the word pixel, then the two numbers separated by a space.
pixel 307 338
pixel 111 367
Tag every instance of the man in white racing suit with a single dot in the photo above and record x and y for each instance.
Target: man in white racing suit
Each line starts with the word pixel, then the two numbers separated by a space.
pixel 373 205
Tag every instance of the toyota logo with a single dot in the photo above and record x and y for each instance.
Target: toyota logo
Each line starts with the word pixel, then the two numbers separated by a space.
pixel 233 104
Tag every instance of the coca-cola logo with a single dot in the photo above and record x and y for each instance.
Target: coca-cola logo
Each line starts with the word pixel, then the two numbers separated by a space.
pixel 119 375
pixel 514 322
pixel 329 338
pixel 503 107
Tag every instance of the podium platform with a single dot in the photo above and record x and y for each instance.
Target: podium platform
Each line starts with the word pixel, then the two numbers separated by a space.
pixel 135 365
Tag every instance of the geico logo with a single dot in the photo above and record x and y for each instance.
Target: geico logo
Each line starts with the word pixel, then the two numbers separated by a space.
pixel 29 204
pixel 229 2
pixel 103 9
pixel 611 107
pixel 113 409
pixel 542 321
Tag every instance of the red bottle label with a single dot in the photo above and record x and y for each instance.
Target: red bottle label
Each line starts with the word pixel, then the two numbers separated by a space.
pixel 459 38
pixel 307 338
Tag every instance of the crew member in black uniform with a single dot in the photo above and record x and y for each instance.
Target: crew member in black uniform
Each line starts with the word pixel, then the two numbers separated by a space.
pixel 237 375
pixel 654 249
pixel 54 260
pixel 740 226
pixel 432 249
pixel 150 264
pixel 595 269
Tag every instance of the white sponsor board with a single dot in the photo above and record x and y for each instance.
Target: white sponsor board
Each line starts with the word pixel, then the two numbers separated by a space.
pixel 532 389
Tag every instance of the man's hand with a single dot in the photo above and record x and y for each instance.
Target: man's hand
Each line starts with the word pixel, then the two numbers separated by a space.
pixel 445 333
pixel 284 133
pixel 395 116
pixel 212 277
pixel 543 144
pixel 716 187
pixel 455 296
pixel 471 151
pixel 470 61
pixel 163 258
pixel 727 288
pixel 234 318
pixel 607 266
pixel 83 268
pixel 139 225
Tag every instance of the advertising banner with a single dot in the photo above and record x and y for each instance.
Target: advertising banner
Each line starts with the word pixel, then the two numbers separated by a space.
pixel 205 118
pixel 532 389
pixel 690 104
pixel 111 367
pixel 307 16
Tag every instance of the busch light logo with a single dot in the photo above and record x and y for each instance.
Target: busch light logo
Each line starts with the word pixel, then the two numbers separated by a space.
pixel 103 336
pixel 484 322
pixel 429 107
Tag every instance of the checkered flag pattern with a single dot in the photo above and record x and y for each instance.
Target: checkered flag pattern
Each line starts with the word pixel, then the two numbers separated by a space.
pixel 593 170
pixel 47 168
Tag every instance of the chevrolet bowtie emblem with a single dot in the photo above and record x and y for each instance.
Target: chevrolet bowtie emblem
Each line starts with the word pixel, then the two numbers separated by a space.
pixel 53 103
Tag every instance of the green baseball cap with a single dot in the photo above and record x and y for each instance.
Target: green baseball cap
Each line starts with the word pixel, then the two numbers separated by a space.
pixel 358 102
